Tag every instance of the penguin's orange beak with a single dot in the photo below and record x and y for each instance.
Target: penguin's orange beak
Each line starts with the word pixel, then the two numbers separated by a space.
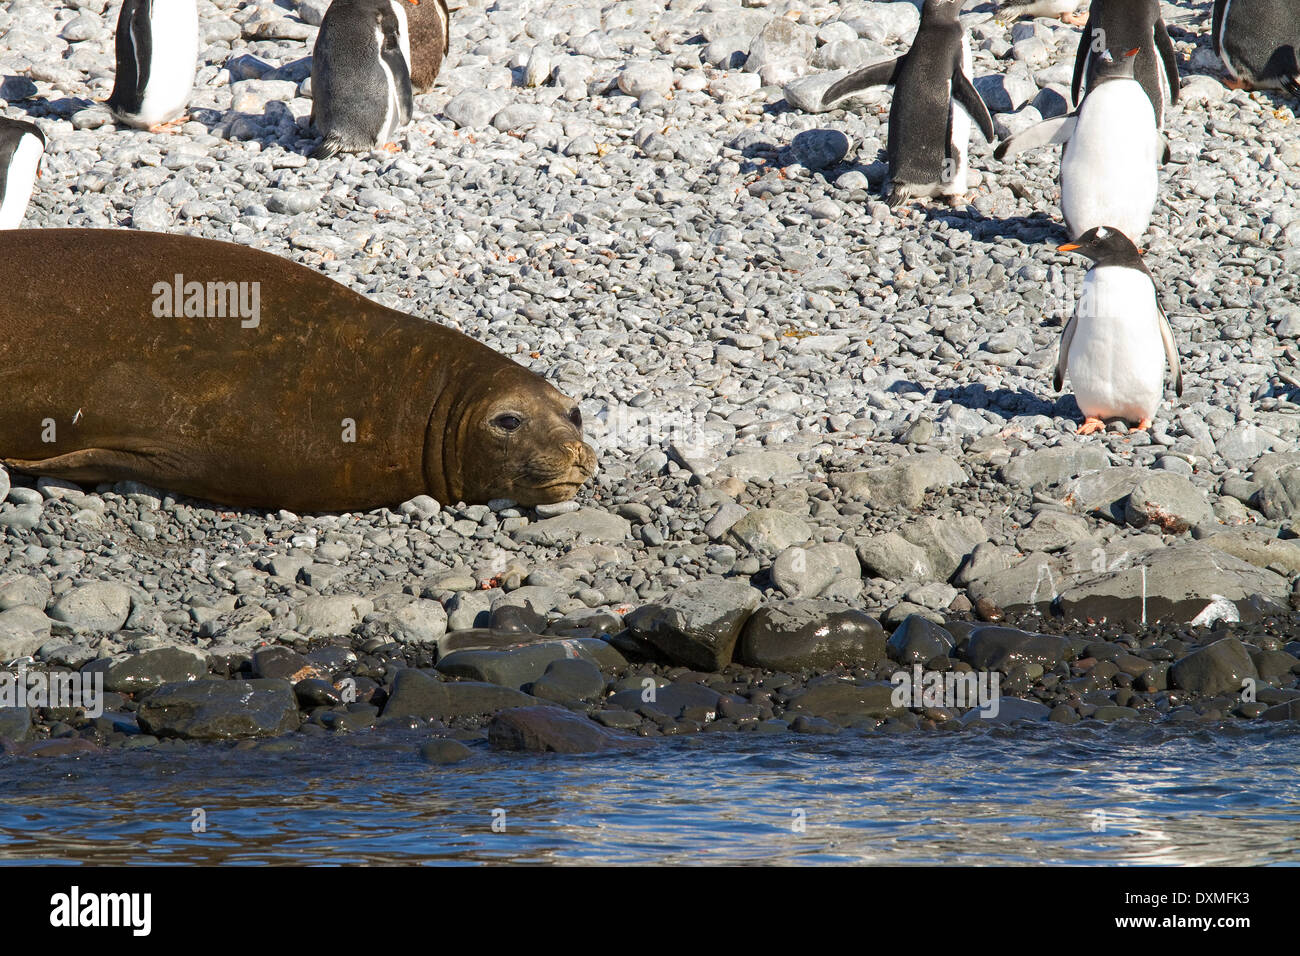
pixel 1134 52
pixel 1068 247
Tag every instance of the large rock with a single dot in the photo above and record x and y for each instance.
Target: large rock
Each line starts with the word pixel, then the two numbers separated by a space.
pixel 220 709
pixel 671 699
pixel 1048 466
pixel 147 670
pixel 811 635
pixel 842 701
pixel 917 640
pixel 583 525
pixel 515 667
pixel 332 616
pixel 97 606
pixel 805 572
pixel 1005 648
pixel 768 531
pixel 781 38
pixel 1257 546
pixel 698 624
pixel 23 629
pixel 416 694
pixel 16 589
pixel 1168 501
pixel 1217 668
pixel 902 484
pixel 554 730
pixel 570 679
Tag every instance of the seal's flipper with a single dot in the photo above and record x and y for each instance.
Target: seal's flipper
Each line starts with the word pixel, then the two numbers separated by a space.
pixel 92 465
pixel 1056 130
pixel 969 99
pixel 1166 48
pixel 1063 353
pixel 877 74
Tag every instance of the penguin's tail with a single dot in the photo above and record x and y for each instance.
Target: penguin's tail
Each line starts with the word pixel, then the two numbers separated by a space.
pixel 332 143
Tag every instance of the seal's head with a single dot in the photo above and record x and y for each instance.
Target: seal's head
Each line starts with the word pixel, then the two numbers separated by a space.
pixel 521 439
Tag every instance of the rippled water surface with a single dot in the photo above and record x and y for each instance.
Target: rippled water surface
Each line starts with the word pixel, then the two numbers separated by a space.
pixel 1181 796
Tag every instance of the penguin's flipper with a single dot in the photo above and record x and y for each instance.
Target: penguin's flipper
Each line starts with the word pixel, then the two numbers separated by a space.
pixel 969 99
pixel 1081 59
pixel 1058 129
pixel 1171 350
pixel 1291 78
pixel 1164 149
pixel 1166 48
pixel 332 143
pixel 1063 352
pixel 877 74
pixel 446 22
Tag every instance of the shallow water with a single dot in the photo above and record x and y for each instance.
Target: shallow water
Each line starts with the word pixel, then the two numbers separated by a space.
pixel 1170 796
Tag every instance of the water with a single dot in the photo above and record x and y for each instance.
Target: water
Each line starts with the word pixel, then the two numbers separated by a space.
pixel 1227 795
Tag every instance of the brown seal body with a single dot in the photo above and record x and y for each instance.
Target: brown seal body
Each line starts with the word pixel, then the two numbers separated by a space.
pixel 428 22
pixel 229 374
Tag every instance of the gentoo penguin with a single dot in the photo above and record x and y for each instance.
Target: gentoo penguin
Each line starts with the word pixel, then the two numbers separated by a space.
pixel 1259 42
pixel 1108 168
pixel 1123 25
pixel 429 22
pixel 1063 10
pixel 360 75
pixel 157 53
pixel 22 145
pixel 934 103
pixel 1115 345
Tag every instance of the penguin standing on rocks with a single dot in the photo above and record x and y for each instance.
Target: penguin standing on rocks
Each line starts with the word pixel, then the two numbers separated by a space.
pixel 22 145
pixel 360 75
pixel 934 103
pixel 157 53
pixel 1123 25
pixel 1112 146
pixel 1115 345
pixel 1063 10
pixel 430 26
pixel 1259 43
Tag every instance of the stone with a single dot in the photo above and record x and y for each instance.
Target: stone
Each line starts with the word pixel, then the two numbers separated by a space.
pixel 416 694
pixel 442 751
pixel 1168 501
pixel 94 607
pixel 902 484
pixel 148 670
pixel 1217 668
pixel 569 679
pixel 768 531
pixel 805 572
pixel 841 701
pixel 996 648
pixel 585 525
pixel 332 616
pixel 698 624
pixel 220 709
pixel 918 640
pixel 553 730
pixel 810 635
pixel 671 699
pixel 1049 466
pixel 516 667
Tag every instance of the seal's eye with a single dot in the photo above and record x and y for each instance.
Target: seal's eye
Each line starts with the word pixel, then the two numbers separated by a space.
pixel 575 416
pixel 507 422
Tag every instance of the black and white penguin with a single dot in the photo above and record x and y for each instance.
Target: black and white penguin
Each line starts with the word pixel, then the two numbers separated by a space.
pixel 361 75
pixel 429 22
pixel 1259 43
pixel 22 145
pixel 1124 25
pixel 1115 345
pixel 157 54
pixel 1112 147
pixel 1063 10
pixel 934 103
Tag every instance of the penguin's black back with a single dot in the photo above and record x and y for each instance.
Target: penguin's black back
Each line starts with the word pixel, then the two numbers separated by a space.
pixel 134 47
pixel 1260 37
pixel 1125 25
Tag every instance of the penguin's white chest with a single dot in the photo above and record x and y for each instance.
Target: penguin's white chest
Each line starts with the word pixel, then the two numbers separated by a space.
pixel 16 190
pixel 174 51
pixel 1116 362
pixel 1108 171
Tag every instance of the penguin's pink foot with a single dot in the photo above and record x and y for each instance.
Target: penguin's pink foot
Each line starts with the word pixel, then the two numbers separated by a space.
pixel 1075 19
pixel 1233 83
pixel 1091 425
pixel 171 126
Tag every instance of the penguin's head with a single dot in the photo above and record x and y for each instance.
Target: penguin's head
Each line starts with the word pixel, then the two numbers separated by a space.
pixel 943 9
pixel 1103 244
pixel 1113 67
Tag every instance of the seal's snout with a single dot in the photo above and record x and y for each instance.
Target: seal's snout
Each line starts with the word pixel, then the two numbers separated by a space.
pixel 584 458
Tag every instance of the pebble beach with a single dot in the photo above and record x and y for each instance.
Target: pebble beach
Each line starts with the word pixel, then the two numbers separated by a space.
pixel 829 446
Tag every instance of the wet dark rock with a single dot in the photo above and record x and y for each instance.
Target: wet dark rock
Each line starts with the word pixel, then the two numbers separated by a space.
pixel 148 670
pixel 416 694
pixel 515 619
pixel 697 625
pixel 1217 668
pixel 220 709
pixel 810 634
pixel 918 639
pixel 804 724
pixel 840 700
pixel 15 724
pixel 995 648
pixel 1010 710
pixel 569 679
pixel 669 700
pixel 441 751
pixel 553 730
pixel 524 665
pixel 275 662
pixel 314 692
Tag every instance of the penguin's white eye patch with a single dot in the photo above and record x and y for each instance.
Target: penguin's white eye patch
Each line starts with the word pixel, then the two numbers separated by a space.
pixel 1102 232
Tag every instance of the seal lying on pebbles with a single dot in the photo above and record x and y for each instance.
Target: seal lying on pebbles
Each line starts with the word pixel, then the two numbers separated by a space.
pixel 934 102
pixel 157 52
pixel 430 26
pixel 1063 10
pixel 22 145
pixel 1259 43
pixel 233 375
pixel 360 75
pixel 1115 344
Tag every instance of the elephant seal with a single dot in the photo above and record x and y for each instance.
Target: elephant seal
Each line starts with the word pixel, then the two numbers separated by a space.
pixel 233 375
